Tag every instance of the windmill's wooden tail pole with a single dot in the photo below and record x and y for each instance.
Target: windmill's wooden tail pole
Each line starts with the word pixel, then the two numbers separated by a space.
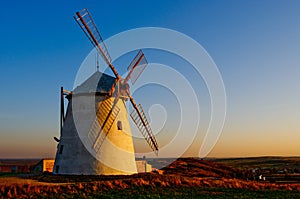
pixel 62 109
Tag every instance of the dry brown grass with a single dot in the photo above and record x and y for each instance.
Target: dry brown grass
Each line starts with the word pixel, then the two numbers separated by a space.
pixel 183 173
pixel 20 188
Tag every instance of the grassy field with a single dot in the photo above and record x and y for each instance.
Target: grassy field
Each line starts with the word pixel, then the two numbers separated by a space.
pixel 275 169
pixel 196 192
pixel 150 192
pixel 184 178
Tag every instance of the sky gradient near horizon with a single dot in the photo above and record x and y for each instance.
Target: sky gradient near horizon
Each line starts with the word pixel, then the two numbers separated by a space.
pixel 255 45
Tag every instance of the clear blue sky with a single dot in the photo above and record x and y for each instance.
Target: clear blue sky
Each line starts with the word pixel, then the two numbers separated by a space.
pixel 255 44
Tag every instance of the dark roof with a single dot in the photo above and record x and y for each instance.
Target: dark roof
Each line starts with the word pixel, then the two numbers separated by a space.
pixel 12 162
pixel 98 82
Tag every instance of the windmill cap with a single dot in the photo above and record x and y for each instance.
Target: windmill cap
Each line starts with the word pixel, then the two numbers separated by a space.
pixel 97 82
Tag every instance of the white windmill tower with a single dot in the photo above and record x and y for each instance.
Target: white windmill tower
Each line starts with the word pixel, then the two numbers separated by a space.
pixel 110 150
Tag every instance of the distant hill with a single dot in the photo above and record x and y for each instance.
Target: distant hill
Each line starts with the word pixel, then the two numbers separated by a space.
pixel 275 162
pixel 192 167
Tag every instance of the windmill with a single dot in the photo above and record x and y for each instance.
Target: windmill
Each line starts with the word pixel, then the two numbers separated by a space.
pixel 110 150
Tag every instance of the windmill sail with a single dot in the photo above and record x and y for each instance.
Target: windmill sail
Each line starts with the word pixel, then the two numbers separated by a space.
pixel 140 119
pixel 85 21
pixel 136 67
pixel 106 115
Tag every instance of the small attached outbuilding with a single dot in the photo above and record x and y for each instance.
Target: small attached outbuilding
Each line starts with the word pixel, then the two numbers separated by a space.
pixel 142 166
pixel 45 165
pixel 16 165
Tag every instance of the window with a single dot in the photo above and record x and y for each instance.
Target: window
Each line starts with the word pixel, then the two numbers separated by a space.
pixel 119 124
pixel 14 169
pixel 61 149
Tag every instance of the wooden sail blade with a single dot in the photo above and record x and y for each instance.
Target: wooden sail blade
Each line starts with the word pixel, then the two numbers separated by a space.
pixel 106 115
pixel 86 23
pixel 136 67
pixel 140 119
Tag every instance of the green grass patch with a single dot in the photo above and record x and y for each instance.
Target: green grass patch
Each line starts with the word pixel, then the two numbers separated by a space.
pixel 195 192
